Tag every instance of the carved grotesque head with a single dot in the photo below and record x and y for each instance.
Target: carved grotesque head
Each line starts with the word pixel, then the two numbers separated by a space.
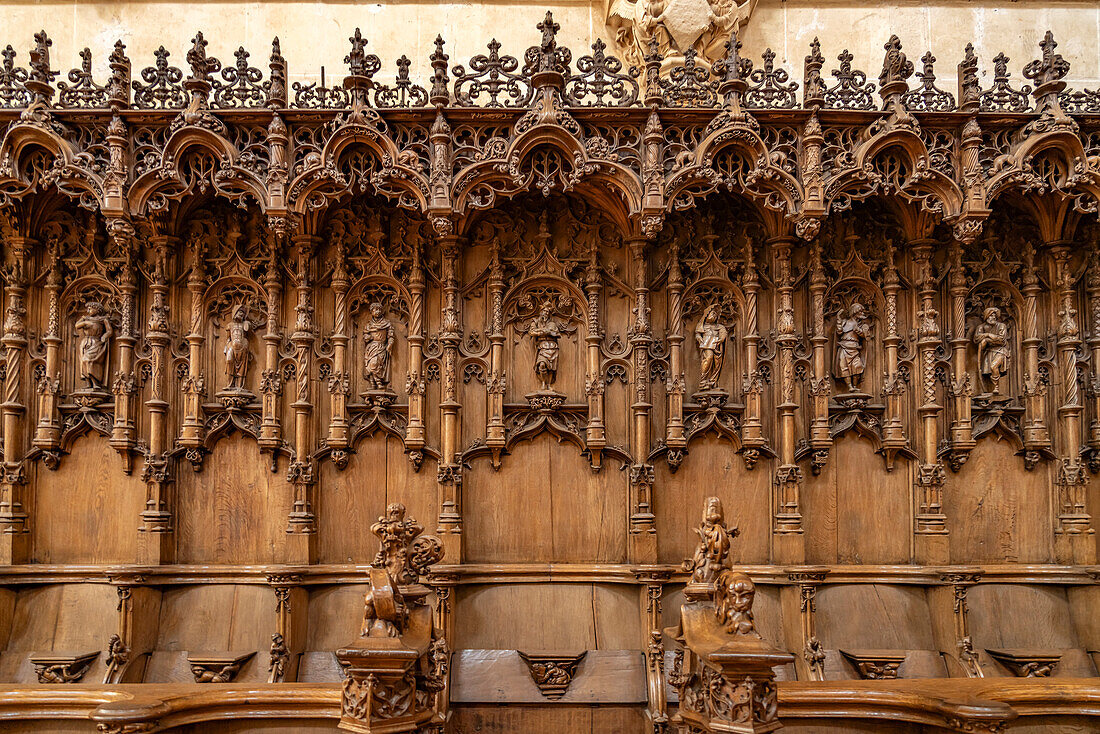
pixel 395 511
pixel 376 310
pixel 733 598
pixel 992 315
pixel 712 512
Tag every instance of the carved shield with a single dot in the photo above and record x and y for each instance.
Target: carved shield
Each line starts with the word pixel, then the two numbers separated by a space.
pixel 686 20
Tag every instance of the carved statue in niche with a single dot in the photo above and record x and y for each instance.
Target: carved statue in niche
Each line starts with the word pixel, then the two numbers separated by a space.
pixel 733 598
pixel 237 354
pixel 851 333
pixel 711 335
pixel 678 25
pixel 715 540
pixel 378 344
pixel 546 332
pixel 994 351
pixel 94 328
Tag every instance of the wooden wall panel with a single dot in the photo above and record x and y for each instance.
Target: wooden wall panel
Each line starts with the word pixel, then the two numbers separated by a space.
pixel 350 501
pixel 874 616
pixel 581 515
pixel 335 616
pixel 713 469
pixel 89 509
pixel 873 506
pixel 236 514
pixel 548 617
pixel 573 719
pixel 993 520
pixel 63 617
pixel 212 618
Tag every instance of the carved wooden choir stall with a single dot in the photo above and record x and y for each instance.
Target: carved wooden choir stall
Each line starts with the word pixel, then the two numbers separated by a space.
pixel 548 309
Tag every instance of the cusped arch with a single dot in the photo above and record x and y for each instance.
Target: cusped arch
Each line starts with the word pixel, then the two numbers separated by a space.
pixel 392 172
pixel 1017 171
pixel 737 158
pixel 549 158
pixel 71 170
pixel 915 180
pixel 229 180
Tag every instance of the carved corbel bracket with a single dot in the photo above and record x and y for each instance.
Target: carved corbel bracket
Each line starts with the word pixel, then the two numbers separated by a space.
pixel 552 671
pixel 1027 663
pixel 62 667
pixel 875 664
pixel 217 667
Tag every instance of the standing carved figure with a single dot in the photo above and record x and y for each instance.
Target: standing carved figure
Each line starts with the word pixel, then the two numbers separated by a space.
pixel 379 338
pixel 711 335
pixel 546 332
pixel 715 541
pixel 851 333
pixel 237 355
pixel 994 352
pixel 94 328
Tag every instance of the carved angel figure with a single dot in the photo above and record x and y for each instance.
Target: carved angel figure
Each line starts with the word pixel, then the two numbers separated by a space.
pixel 95 330
pixel 711 335
pixel 733 598
pixel 378 338
pixel 703 25
pixel 994 352
pixel 546 332
pixel 237 355
pixel 715 540
pixel 851 332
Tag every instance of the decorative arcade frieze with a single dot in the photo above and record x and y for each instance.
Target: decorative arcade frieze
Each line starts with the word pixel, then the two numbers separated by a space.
pixel 626 259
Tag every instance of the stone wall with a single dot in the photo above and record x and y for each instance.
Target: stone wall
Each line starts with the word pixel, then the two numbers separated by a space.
pixel 314 34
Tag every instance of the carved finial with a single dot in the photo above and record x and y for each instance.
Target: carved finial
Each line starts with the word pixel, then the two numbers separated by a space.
pixel 202 66
pixel 40 59
pixel 356 59
pixel 969 90
pixel 813 84
pixel 1048 73
pixel 276 86
pixel 440 94
pixel 895 66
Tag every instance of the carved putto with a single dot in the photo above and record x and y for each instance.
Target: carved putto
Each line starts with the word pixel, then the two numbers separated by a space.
pixel 94 329
pixel 378 343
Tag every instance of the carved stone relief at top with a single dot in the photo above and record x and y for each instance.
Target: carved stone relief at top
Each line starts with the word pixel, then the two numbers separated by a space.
pixel 677 26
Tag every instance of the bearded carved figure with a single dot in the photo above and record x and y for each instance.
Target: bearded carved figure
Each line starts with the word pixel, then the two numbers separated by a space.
pixel 677 25
pixel 994 352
